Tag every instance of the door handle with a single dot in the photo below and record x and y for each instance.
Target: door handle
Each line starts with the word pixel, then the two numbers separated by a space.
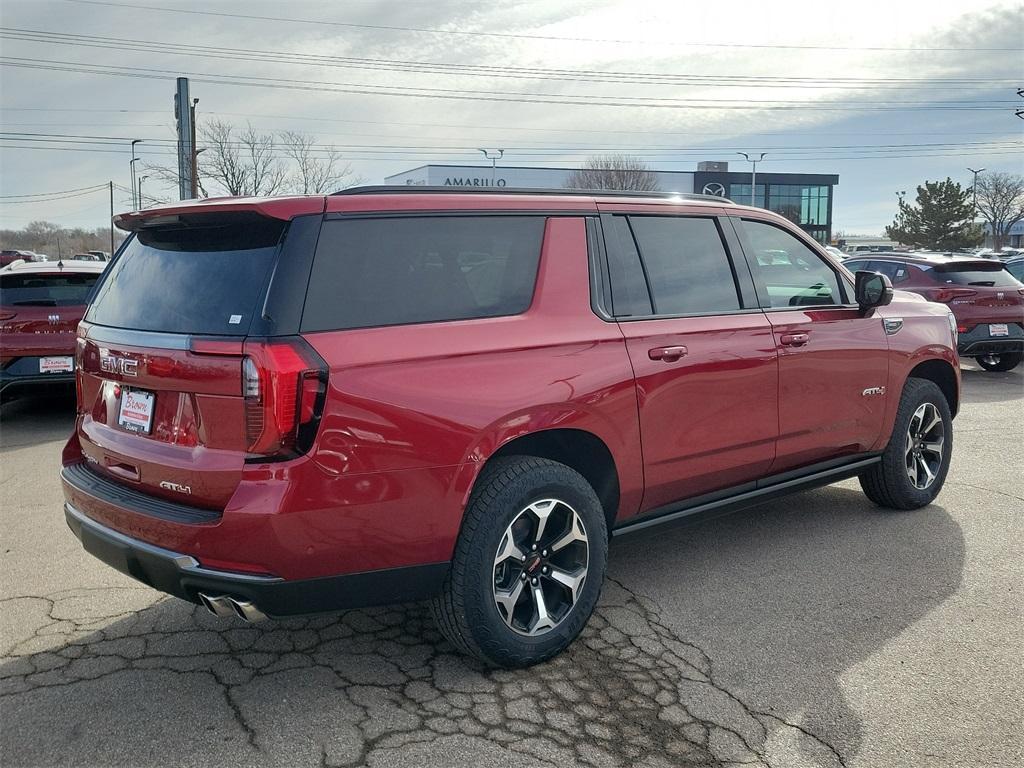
pixel 794 339
pixel 666 354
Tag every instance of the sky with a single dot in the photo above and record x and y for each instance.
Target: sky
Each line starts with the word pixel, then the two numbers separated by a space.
pixel 884 94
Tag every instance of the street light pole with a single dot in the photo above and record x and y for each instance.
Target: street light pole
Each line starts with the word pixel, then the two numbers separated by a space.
pixel 135 204
pixel 141 179
pixel 753 172
pixel 493 155
pixel 974 189
pixel 195 153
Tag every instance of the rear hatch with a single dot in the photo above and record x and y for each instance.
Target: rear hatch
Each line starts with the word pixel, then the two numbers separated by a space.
pixel 979 292
pixel 39 312
pixel 174 396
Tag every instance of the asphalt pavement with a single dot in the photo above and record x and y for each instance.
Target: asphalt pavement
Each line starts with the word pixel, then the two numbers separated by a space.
pixel 816 630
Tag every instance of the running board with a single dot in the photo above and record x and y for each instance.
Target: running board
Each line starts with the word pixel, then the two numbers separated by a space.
pixel 725 502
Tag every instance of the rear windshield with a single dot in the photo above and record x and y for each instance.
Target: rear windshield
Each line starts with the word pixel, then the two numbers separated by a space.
pixel 391 271
pixel 970 274
pixel 208 279
pixel 62 290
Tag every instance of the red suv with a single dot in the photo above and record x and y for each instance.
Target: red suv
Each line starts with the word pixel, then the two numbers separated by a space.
pixel 985 297
pixel 289 406
pixel 40 307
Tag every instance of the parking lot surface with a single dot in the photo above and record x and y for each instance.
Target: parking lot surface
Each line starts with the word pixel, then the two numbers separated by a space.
pixel 813 631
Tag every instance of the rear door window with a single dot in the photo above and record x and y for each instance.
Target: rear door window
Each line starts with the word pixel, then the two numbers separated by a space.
pixel 207 278
pixel 686 265
pixel 792 274
pixel 395 271
pixel 39 290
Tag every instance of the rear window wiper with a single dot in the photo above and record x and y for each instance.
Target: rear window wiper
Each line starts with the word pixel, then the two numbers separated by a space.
pixel 35 303
pixel 984 282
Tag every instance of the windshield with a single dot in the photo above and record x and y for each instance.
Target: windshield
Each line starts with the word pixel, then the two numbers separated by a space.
pixel 42 290
pixel 205 280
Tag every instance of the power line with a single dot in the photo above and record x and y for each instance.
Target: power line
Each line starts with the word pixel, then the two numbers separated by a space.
pixel 60 192
pixel 480 70
pixel 523 36
pixel 496 96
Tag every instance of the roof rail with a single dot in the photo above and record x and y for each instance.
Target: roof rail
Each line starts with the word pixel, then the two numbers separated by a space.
pixel 412 189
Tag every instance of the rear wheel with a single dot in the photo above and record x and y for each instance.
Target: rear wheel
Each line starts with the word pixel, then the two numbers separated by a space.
pixel 1005 361
pixel 914 464
pixel 528 565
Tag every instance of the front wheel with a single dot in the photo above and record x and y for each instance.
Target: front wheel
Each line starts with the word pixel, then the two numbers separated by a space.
pixel 914 464
pixel 528 566
pixel 1005 361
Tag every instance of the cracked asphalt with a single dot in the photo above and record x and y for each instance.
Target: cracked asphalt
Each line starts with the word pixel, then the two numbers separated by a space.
pixel 811 631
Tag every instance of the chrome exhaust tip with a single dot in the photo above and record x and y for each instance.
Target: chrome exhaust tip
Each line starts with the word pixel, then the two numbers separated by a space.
pixel 247 611
pixel 218 605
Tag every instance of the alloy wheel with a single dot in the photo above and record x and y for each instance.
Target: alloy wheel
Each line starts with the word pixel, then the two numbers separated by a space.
pixel 540 567
pixel 926 437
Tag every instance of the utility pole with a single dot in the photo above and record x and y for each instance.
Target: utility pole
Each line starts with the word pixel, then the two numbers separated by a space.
pixel 135 203
pixel 974 189
pixel 195 152
pixel 494 155
pixel 183 113
pixel 753 172
pixel 111 219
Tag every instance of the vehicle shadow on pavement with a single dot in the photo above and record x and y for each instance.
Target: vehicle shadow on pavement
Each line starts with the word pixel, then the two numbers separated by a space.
pixel 36 419
pixel 980 386
pixel 712 644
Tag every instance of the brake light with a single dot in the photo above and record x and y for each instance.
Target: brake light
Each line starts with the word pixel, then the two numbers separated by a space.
pixel 285 384
pixel 946 295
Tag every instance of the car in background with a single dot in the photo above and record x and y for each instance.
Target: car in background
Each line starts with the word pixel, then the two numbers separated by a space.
pixel 41 305
pixel 984 296
pixel 1015 267
pixel 90 256
pixel 839 254
pixel 11 255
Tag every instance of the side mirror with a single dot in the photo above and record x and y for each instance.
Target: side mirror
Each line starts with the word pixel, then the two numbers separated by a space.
pixel 872 289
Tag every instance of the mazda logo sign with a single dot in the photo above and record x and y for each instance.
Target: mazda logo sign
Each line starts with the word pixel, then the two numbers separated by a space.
pixel 714 188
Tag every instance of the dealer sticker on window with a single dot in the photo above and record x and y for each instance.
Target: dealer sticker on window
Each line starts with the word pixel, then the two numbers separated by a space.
pixel 999 329
pixel 136 414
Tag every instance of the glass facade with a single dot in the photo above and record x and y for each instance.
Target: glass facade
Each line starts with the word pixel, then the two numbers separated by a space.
pixel 804 204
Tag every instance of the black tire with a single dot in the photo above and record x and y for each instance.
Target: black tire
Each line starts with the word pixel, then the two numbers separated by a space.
pixel 466 612
pixel 1005 361
pixel 888 483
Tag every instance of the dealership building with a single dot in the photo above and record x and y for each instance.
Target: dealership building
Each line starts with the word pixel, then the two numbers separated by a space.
pixel 804 198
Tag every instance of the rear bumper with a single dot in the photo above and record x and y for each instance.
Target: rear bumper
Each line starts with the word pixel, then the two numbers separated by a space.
pixel 181 575
pixel 977 341
pixel 24 372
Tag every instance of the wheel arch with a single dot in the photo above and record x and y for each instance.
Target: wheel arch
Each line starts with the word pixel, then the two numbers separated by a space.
pixel 943 375
pixel 578 449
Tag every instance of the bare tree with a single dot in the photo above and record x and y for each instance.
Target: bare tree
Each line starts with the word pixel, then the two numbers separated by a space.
pixel 317 169
pixel 614 172
pixel 1000 203
pixel 248 162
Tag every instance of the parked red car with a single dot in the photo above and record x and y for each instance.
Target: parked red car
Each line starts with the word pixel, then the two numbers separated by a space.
pixel 296 405
pixel 987 300
pixel 40 306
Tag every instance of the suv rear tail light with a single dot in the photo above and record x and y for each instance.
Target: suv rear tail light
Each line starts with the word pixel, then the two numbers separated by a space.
pixel 285 385
pixel 946 295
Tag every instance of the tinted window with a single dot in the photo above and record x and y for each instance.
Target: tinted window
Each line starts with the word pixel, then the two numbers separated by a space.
pixel 686 265
pixel 969 274
pixel 27 290
pixel 1016 268
pixel 629 286
pixel 391 271
pixel 896 272
pixel 793 274
pixel 204 280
